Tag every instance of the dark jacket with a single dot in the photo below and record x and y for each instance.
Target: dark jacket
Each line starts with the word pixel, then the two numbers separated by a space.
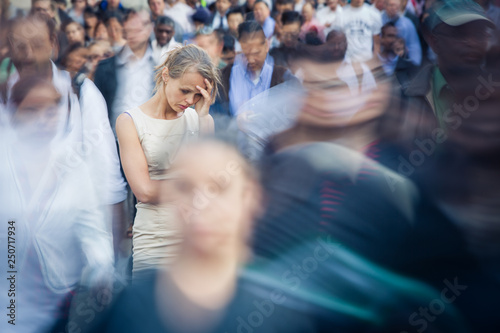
pixel 417 104
pixel 106 80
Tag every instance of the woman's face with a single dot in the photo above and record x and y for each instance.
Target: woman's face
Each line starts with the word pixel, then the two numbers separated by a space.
pixel 75 33
pixel 182 93
pixel 215 198
pixel 37 115
pixel 334 102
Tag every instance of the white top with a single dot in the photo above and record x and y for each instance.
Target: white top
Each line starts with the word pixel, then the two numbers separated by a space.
pixel 181 13
pixel 161 139
pixel 360 25
pixel 135 82
pixel 327 16
pixel 89 115
pixel 160 52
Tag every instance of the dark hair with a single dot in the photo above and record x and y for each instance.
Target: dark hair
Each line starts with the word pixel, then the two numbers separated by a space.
pixel 72 48
pixel 110 15
pixel 22 88
pixel 290 17
pixel 260 1
pixel 229 43
pixel 250 29
pixel 389 24
pixel 164 20
pixel 333 33
pixel 234 11
pixel 284 2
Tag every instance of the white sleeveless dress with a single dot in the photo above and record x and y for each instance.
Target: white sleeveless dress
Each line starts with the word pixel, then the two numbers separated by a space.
pixel 156 232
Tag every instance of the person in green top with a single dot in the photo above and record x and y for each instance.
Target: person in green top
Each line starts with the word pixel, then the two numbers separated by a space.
pixel 458 33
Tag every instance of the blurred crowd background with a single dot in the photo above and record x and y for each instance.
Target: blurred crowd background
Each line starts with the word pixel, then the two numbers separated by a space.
pixel 250 166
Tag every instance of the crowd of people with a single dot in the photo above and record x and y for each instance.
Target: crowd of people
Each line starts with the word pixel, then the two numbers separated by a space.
pixel 250 166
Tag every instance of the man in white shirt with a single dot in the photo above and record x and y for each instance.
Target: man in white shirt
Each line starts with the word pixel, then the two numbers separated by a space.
pixel 164 41
pixel 329 16
pixel 361 25
pixel 180 13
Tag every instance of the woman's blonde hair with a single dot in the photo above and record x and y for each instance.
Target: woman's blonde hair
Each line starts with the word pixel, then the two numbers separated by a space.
pixel 186 58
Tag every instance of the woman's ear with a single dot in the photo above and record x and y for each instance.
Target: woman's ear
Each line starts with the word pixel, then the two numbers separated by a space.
pixel 164 75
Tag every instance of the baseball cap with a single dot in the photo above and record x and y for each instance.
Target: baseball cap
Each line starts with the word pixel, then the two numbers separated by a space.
pixel 455 13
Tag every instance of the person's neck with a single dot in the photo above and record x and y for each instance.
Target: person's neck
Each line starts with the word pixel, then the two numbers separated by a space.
pixel 208 280
pixel 393 17
pixel 158 107
pixel 387 53
pixel 140 51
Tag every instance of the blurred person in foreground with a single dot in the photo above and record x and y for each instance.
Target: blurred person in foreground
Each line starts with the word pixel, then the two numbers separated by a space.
pixel 31 46
pixel 150 136
pixel 60 233
pixel 204 290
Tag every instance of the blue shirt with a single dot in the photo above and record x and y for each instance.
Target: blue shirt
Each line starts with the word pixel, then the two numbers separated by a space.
pixel 407 31
pixel 268 27
pixel 242 88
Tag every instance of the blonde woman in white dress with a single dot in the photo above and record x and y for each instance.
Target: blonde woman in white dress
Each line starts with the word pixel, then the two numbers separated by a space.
pixel 150 136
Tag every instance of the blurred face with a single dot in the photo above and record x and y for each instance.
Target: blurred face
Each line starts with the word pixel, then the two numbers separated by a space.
pixel 137 30
pixel 463 45
pixel 261 12
pixel 164 34
pixel 339 42
pixel 250 3
pixel 289 34
pixel 222 6
pixel 307 12
pixel 181 93
pixel 357 3
pixel 76 60
pixel 388 37
pixel 157 7
pixel 115 29
pixel 30 45
pixel 216 199
pixel 332 4
pixel 101 32
pixel 283 7
pixel 113 3
pixel 43 7
pixel 380 4
pixel 211 45
pixel 393 7
pixel 96 53
pixel 233 21
pixel 75 33
pixel 228 57
pixel 79 4
pixel 255 49
pixel 332 102
pixel 90 20
pixel 399 47
pixel 37 114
